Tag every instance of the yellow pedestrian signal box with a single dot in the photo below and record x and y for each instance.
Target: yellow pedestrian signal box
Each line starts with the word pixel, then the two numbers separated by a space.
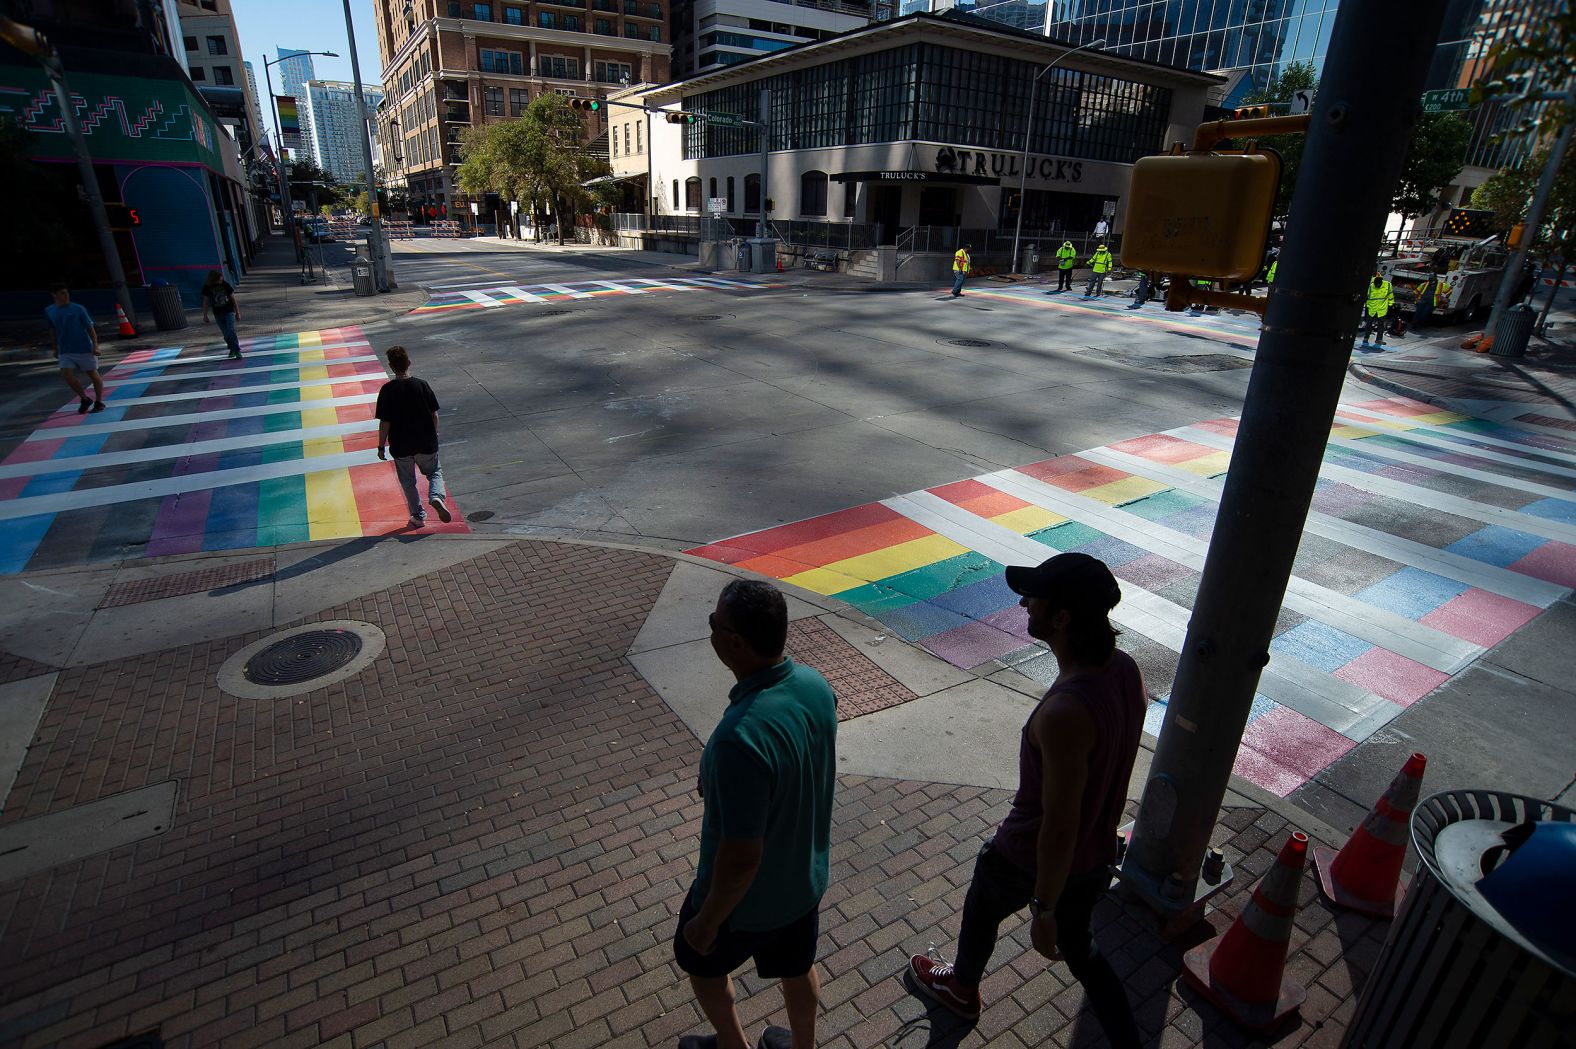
pixel 1201 214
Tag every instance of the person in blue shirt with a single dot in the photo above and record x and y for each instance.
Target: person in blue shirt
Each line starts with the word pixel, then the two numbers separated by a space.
pixel 76 347
pixel 766 777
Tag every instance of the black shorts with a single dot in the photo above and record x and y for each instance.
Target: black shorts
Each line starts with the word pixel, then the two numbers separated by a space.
pixel 780 954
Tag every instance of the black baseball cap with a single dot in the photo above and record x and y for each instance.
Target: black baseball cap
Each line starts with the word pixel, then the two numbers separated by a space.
pixel 1072 580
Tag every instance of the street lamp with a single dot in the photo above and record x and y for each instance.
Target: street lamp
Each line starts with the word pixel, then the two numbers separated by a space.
pixel 1028 129
pixel 286 211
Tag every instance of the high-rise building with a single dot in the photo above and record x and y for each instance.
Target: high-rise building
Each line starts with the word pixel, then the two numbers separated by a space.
pixel 711 34
pixel 295 69
pixel 212 49
pixel 449 65
pixel 336 126
pixel 256 97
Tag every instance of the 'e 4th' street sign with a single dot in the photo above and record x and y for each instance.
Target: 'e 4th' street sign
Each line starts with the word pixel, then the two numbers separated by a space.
pixel 1447 101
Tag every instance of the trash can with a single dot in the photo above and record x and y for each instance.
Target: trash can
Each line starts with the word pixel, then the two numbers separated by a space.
pixel 1483 953
pixel 763 252
pixel 741 255
pixel 1513 332
pixel 1031 259
pixel 169 313
pixel 361 277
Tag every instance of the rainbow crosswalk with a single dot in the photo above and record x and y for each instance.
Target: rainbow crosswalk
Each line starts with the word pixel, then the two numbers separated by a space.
pixel 458 300
pixel 196 452
pixel 1433 536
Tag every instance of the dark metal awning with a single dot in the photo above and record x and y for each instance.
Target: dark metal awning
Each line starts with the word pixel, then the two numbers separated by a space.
pixel 933 178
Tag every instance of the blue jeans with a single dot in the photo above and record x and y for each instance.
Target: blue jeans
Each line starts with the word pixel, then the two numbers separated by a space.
pixel 957 284
pixel 405 466
pixel 226 322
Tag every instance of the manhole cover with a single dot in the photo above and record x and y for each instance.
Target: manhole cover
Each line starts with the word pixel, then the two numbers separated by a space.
pixel 971 344
pixel 552 313
pixel 302 657
pixel 707 317
pixel 481 515
pixel 1187 364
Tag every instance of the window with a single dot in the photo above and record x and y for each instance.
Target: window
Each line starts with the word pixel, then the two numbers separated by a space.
pixel 812 193
pixel 198 73
pixel 626 139
pixel 730 193
pixel 223 75
pixel 519 98
pixel 189 42
pixel 675 194
pixel 217 46
pixel 454 8
pixel 547 19
pixel 501 61
pixel 638 147
pixel 513 16
pixel 752 193
pixel 604 27
pixel 712 191
pixel 481 12
pixel 613 72
pixel 492 99
pixel 613 142
pixel 558 67
pixel 848 200
pixel 692 194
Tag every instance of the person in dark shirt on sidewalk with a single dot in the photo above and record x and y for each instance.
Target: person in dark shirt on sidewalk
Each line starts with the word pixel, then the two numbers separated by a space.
pixel 76 347
pixel 1053 851
pixel 220 296
pixel 407 414
pixel 766 777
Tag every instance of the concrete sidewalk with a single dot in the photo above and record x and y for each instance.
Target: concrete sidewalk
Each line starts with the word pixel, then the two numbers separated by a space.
pixel 483 835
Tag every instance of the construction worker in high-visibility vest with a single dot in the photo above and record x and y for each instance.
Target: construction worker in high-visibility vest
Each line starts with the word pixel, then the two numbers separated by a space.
pixel 961 264
pixel 1423 306
pixel 1381 296
pixel 1442 294
pixel 1099 264
pixel 1269 277
pixel 1066 259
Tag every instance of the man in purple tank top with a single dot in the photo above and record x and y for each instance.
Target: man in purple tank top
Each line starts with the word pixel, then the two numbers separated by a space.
pixel 1053 852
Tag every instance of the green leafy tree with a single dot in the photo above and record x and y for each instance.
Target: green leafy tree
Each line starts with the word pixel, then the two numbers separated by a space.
pixel 1508 194
pixel 1299 76
pixel 1433 159
pixel 539 158
pixel 1549 49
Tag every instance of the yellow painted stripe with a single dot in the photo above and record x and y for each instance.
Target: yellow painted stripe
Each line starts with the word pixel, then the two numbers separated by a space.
pixel 308 374
pixel 1207 465
pixel 1351 433
pixel 326 416
pixel 1029 519
pixel 878 564
pixel 1437 418
pixel 309 338
pixel 1126 490
pixel 331 505
pixel 311 355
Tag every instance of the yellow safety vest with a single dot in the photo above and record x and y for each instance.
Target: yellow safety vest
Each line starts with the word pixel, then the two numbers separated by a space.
pixel 1380 299
pixel 960 261
pixel 1066 255
pixel 1101 261
pixel 1269 278
pixel 1442 294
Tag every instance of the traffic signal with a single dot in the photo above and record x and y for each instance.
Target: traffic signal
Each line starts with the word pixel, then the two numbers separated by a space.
pixel 1202 214
pixel 1252 113
pixel 682 118
pixel 594 105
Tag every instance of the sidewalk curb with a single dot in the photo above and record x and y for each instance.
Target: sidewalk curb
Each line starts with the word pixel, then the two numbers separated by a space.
pixel 1362 374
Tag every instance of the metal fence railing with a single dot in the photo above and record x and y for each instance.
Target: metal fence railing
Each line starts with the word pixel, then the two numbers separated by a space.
pixel 996 243
pixel 845 236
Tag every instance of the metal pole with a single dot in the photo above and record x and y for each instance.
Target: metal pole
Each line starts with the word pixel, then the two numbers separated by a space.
pixel 1542 327
pixel 1028 128
pixel 765 128
pixel 1361 121
pixel 382 274
pixel 1540 201
pixel 651 187
pixel 30 41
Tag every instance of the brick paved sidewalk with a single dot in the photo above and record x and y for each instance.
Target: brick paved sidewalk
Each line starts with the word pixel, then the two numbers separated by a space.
pixel 483 839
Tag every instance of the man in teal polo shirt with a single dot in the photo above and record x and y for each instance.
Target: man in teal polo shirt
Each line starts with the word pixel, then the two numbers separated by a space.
pixel 766 776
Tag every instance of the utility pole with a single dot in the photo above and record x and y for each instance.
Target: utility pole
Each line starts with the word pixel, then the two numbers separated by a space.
pixel 1540 202
pixel 30 41
pixel 286 205
pixel 377 247
pixel 1361 121
pixel 765 129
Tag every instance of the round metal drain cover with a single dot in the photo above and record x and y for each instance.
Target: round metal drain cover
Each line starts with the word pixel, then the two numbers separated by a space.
pixel 302 657
pixel 707 317
pixel 971 344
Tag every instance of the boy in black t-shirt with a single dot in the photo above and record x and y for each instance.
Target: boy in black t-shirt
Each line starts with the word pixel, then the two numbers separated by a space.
pixel 220 296
pixel 407 414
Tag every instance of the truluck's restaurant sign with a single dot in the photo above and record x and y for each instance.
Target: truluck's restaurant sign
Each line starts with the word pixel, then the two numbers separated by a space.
pixel 978 162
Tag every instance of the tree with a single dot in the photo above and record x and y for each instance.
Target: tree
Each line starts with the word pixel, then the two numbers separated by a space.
pixel 539 158
pixel 1299 76
pixel 1546 55
pixel 1508 193
pixel 1433 159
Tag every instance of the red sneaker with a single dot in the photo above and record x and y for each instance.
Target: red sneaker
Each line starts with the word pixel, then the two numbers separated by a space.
pixel 934 975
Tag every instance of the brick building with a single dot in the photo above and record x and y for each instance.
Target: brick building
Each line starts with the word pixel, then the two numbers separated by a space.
pixel 448 65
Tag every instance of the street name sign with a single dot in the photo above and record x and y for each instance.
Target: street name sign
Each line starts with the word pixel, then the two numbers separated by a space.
pixel 1448 100
pixel 724 119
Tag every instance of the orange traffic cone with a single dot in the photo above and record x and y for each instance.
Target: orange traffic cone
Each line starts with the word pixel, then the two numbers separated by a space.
pixel 126 330
pixel 1366 875
pixel 1240 972
pixel 779 265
